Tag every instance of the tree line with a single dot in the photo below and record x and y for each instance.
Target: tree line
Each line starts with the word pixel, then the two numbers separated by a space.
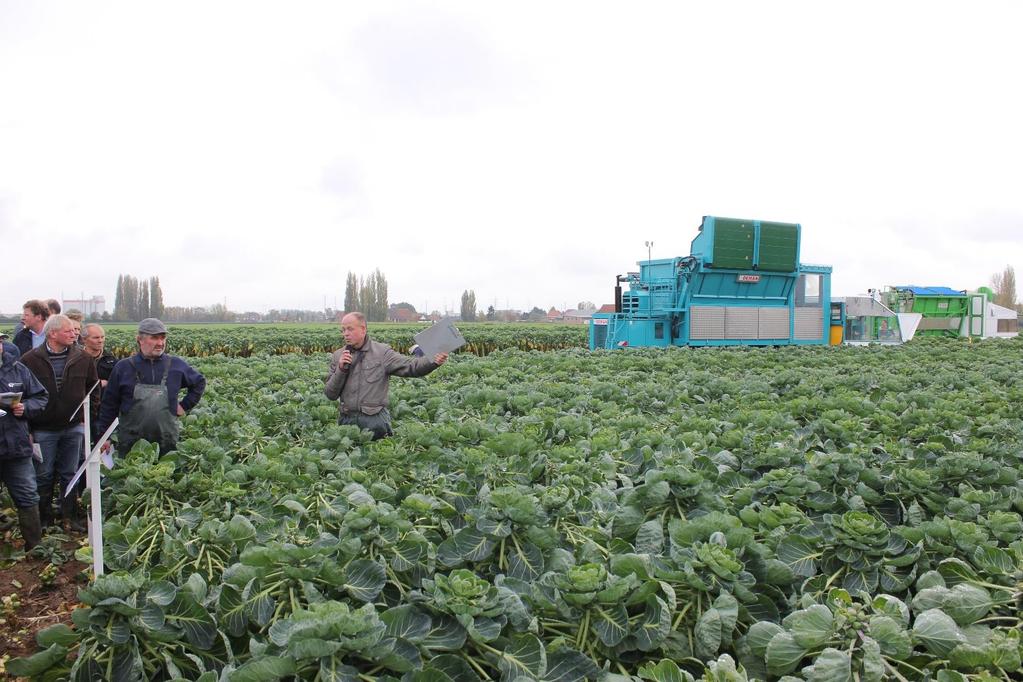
pixel 1004 285
pixel 137 299
pixel 367 295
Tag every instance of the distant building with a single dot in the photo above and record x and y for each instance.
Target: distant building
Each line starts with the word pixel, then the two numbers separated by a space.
pixel 607 308
pixel 577 316
pixel 554 315
pixel 399 314
pixel 509 315
pixel 97 305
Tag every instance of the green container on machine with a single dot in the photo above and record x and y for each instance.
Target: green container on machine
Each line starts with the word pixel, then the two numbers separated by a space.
pixel 752 245
pixel 943 309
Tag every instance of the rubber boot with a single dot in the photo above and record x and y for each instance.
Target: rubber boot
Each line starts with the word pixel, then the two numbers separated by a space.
pixel 70 510
pixel 46 505
pixel 31 529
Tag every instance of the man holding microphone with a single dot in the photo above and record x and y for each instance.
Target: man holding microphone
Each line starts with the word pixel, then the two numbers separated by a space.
pixel 360 375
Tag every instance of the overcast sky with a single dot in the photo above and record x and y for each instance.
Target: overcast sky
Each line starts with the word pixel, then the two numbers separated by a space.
pixel 254 152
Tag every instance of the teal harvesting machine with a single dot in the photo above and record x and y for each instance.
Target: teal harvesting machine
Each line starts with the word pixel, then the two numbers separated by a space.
pixel 742 284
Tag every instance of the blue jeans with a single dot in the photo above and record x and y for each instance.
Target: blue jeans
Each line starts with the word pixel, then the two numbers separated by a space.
pixel 61 451
pixel 19 476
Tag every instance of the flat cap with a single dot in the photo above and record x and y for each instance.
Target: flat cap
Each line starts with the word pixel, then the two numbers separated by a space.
pixel 151 325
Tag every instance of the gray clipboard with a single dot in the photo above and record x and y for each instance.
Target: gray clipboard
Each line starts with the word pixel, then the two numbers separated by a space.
pixel 442 337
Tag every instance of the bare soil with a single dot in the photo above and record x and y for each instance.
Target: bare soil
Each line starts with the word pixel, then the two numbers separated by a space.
pixel 40 601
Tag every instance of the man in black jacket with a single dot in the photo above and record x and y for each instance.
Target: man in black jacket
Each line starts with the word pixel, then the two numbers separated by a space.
pixel 16 469
pixel 33 317
pixel 68 375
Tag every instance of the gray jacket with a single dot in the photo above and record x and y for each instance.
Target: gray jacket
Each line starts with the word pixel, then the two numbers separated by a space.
pixel 362 386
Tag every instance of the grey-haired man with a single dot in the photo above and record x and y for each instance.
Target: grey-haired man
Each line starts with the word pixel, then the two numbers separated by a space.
pixel 68 375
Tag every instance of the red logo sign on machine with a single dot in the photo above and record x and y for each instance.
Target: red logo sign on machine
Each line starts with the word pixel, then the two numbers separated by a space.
pixel 753 279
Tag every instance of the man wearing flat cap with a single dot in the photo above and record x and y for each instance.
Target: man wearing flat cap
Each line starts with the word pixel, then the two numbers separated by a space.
pixel 144 392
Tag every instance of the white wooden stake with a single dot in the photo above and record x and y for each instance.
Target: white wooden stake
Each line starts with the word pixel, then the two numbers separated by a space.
pixel 92 479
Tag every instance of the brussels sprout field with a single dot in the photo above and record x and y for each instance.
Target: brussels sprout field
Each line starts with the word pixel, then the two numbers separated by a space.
pixel 239 340
pixel 725 514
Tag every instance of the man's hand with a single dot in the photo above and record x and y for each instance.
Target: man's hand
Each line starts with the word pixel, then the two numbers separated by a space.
pixel 181 411
pixel 18 410
pixel 440 358
pixel 346 359
pixel 106 448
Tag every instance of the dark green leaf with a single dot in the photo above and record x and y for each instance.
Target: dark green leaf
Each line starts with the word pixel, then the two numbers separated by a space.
pixel 783 654
pixel 468 544
pixel 36 664
pixel 938 632
pixel 263 670
pixel 760 635
pixel 161 593
pixel 57 634
pixel 567 665
pixel 408 553
pixel 708 633
pixel 454 667
pixel 364 579
pixel 650 537
pixel 893 638
pixel 407 622
pixel 525 561
pixel 831 665
pixel 445 635
pixel 611 623
pixel 654 626
pixel 811 627
pixel 525 656
pixel 799 554
pixel 664 671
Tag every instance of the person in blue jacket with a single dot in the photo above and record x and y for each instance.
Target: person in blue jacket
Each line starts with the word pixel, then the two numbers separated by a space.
pixel 143 392
pixel 16 469
pixel 10 347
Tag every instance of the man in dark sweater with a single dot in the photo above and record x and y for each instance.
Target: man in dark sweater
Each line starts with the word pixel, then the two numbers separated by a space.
pixel 68 375
pixel 143 392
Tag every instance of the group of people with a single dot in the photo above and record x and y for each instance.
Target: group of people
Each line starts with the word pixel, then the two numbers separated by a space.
pixel 54 365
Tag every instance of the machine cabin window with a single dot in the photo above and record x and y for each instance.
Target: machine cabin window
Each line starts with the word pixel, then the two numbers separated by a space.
pixel 808 291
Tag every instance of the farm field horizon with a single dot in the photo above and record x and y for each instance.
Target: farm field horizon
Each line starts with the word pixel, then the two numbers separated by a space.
pixel 244 340
pixel 550 513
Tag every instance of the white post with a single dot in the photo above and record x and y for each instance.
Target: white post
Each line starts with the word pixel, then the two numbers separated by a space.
pixel 89 480
pixel 92 482
pixel 92 479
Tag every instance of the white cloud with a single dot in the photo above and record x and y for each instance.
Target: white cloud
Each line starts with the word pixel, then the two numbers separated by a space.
pixel 260 152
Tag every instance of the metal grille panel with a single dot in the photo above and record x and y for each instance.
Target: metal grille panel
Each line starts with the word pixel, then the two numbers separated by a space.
pixel 942 323
pixel 741 323
pixel 707 322
pixel 809 323
pixel 773 323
